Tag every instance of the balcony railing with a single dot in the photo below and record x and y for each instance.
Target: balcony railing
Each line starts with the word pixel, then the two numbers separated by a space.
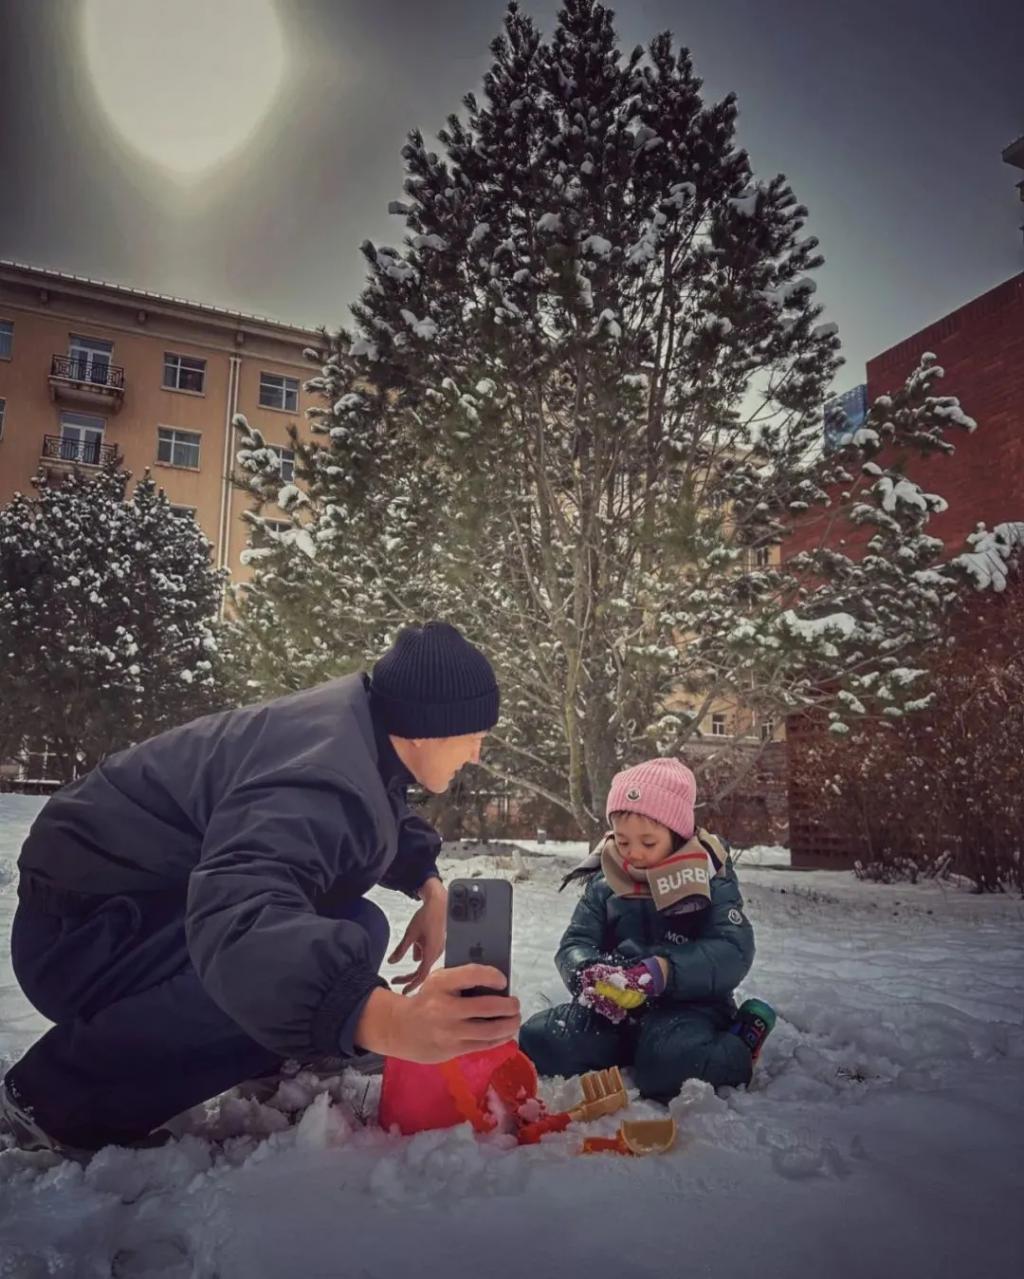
pixel 59 448
pixel 87 370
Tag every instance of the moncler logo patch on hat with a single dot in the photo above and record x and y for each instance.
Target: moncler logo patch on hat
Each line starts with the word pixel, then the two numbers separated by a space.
pixel 633 794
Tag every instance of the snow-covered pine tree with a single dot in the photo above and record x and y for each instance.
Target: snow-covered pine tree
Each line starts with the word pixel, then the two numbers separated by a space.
pixel 587 386
pixel 324 596
pixel 108 606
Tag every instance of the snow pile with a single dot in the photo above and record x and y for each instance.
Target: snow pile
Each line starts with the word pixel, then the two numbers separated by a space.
pixel 884 1113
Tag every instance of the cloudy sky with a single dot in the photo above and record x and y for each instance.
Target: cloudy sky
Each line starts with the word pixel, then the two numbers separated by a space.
pixel 887 116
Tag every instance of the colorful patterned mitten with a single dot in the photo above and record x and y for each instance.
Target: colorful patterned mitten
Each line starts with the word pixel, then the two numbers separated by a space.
pixel 613 991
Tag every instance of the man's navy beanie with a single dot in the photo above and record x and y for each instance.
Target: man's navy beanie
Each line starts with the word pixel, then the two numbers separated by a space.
pixel 433 683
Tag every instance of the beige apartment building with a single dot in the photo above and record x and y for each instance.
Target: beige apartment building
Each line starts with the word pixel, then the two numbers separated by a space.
pixel 90 369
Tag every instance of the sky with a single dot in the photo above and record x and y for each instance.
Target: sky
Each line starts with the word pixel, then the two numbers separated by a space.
pixel 887 118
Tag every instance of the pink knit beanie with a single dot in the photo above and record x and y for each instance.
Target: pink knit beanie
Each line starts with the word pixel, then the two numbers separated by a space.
pixel 662 789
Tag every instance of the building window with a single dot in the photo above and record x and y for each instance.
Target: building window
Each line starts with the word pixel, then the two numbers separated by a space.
pixel 178 448
pixel 6 339
pixel 718 724
pixel 3 414
pixel 718 500
pixel 184 373
pixel 183 512
pixel 277 526
pixel 287 459
pixel 81 438
pixel 89 359
pixel 279 392
pixel 767 729
pixel 755 557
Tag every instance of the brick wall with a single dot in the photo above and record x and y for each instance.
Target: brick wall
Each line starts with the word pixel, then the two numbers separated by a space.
pixel 981 348
pixel 814 845
pixel 756 811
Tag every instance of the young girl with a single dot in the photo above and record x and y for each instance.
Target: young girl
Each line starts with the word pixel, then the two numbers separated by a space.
pixel 654 950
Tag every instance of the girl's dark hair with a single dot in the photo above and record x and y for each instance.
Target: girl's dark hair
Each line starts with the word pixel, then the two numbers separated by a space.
pixel 581 873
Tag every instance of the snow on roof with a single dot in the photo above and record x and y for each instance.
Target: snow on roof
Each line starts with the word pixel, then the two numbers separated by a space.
pixel 129 291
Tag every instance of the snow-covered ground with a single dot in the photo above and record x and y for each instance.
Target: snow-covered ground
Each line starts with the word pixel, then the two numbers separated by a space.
pixel 882 1133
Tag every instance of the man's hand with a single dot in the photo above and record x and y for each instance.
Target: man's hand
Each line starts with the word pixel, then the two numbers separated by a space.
pixel 425 935
pixel 439 1024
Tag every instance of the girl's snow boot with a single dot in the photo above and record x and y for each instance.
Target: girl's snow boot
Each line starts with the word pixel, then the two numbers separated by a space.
pixel 753 1023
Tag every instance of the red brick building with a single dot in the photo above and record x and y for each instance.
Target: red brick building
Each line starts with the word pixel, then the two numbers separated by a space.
pixel 981 348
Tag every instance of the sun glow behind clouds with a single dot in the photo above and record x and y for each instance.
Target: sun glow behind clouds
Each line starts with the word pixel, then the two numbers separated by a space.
pixel 185 83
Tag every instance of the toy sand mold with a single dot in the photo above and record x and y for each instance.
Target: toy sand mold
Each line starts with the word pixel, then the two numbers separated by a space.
pixel 635 1137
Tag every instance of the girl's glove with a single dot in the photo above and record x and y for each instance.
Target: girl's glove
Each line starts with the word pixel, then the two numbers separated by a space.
pixel 612 990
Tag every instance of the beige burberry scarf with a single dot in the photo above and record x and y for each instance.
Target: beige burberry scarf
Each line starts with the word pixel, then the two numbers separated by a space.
pixel 680 883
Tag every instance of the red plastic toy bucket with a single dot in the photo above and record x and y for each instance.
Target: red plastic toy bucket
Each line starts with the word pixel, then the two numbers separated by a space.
pixel 415 1098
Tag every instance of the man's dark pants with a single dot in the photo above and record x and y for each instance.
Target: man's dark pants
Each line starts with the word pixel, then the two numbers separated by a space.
pixel 137 1039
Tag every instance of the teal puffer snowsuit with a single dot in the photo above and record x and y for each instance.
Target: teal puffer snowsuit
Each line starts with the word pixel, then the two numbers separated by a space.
pixel 681 1035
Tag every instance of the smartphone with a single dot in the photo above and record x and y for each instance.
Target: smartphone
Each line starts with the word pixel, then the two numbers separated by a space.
pixel 480 928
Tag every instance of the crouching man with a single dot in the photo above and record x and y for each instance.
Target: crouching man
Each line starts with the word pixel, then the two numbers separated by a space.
pixel 193 911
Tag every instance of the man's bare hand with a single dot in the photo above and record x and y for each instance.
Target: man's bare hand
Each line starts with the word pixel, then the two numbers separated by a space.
pixel 439 1023
pixel 425 936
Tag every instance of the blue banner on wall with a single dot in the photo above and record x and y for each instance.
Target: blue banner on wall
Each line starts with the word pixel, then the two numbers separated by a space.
pixel 845 414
